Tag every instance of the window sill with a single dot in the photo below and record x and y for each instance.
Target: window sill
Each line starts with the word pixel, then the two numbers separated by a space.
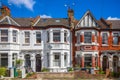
pixel 115 45
pixel 26 44
pixel 105 45
pixel 37 44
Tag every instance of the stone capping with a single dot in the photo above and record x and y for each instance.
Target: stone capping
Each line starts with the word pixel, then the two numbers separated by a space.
pixel 55 75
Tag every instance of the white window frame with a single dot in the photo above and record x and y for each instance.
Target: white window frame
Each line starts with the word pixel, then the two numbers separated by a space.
pixel 3 36
pixel 107 37
pixel 65 36
pixel 55 37
pixel 27 37
pixel 38 37
pixel 85 38
pixel 113 37
pixel 56 62
pixel 14 35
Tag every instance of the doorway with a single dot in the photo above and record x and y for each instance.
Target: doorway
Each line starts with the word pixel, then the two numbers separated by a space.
pixel 115 64
pixel 105 63
pixel 38 63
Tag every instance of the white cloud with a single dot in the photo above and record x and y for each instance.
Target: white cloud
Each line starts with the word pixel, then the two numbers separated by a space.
pixel 45 16
pixel 27 3
pixel 113 18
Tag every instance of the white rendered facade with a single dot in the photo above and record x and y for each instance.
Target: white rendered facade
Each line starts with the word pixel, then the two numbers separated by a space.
pixel 53 55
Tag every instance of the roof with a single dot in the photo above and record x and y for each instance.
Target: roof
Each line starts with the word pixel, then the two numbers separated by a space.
pixel 52 21
pixel 115 24
pixel 42 22
pixel 8 20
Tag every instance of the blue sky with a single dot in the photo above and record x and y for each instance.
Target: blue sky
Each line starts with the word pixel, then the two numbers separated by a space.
pixel 108 9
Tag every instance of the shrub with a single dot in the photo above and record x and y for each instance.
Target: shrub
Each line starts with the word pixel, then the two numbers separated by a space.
pixel 19 73
pixel 29 74
pixel 3 71
pixel 45 70
pixel 70 69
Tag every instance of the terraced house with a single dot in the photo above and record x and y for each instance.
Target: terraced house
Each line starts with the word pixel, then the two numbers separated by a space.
pixel 59 43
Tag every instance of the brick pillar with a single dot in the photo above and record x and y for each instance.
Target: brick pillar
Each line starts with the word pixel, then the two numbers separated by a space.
pixel 82 61
pixel 98 61
pixel 93 61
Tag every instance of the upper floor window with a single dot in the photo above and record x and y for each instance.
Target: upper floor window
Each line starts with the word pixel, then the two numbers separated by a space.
pixel 87 37
pixel 115 38
pixel 48 36
pixel 14 34
pixel 65 36
pixel 27 37
pixel 4 35
pixel 78 38
pixel 104 38
pixel 56 36
pixel 38 37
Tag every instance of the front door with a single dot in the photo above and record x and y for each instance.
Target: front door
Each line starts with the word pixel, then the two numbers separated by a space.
pixel 38 63
pixel 105 63
pixel 115 64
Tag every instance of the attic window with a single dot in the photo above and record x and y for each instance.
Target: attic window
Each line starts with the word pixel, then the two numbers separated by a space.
pixel 57 20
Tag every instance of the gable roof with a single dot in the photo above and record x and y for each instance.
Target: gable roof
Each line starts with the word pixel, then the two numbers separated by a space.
pixel 83 23
pixel 8 20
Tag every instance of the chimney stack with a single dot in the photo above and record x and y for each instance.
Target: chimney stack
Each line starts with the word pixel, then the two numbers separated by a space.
pixel 5 11
pixel 71 17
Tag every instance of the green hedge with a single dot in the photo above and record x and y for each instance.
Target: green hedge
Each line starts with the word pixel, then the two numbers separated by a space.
pixel 3 71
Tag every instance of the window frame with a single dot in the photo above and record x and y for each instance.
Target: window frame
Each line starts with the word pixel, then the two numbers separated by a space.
pixel 117 38
pixel 37 38
pixel 65 36
pixel 27 37
pixel 14 35
pixel 56 62
pixel 56 35
pixel 105 42
pixel 86 37
pixel 3 35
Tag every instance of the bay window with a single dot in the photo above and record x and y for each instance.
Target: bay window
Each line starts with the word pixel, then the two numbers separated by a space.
pixel 3 60
pixel 4 35
pixel 14 34
pixel 38 37
pixel 88 60
pixel 56 35
pixel 65 36
pixel 78 38
pixel 48 38
pixel 56 60
pixel 65 59
pixel 87 37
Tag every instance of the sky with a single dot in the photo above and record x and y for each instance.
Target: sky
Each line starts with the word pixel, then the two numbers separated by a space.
pixel 107 9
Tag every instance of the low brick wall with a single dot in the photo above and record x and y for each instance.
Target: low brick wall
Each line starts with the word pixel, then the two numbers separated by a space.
pixel 55 75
